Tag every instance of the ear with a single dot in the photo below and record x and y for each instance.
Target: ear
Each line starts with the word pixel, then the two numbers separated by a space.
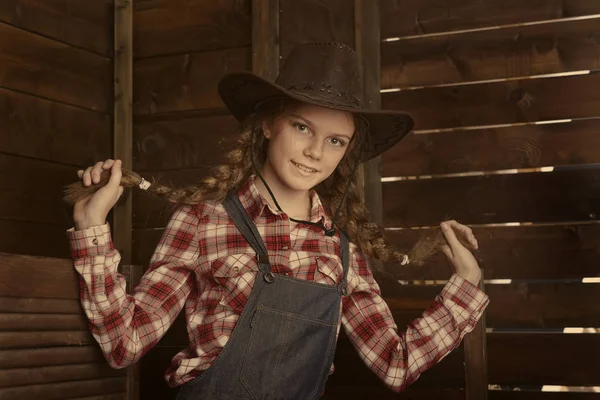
pixel 266 130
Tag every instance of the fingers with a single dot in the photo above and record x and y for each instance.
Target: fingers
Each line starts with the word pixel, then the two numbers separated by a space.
pixel 465 233
pixel 115 174
pixel 450 235
pixel 92 174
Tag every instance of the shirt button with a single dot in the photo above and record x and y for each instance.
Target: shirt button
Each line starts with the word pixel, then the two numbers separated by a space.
pixel 236 268
pixel 95 241
pixel 285 248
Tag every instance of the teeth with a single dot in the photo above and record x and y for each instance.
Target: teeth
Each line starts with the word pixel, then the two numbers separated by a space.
pixel 303 168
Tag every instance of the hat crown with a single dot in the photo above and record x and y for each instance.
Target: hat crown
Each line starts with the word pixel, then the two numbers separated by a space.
pixel 327 72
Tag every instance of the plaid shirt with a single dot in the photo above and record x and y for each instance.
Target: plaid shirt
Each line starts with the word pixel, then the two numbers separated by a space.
pixel 202 263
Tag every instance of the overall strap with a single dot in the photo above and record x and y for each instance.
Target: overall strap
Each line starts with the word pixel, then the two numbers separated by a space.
pixel 247 228
pixel 345 256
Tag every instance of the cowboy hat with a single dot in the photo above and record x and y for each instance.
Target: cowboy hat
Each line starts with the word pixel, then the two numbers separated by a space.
pixel 324 74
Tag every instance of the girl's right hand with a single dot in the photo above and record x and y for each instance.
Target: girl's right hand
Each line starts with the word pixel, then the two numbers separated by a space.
pixel 93 210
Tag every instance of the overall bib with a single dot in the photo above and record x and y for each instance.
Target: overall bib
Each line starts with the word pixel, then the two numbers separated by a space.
pixel 283 344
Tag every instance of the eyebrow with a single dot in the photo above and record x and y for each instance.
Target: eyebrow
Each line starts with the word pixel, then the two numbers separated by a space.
pixel 311 125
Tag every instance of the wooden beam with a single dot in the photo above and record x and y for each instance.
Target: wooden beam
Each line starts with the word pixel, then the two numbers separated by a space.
pixel 265 38
pixel 366 25
pixel 476 371
pixel 123 138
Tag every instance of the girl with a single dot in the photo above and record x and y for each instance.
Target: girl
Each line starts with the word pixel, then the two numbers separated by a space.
pixel 269 256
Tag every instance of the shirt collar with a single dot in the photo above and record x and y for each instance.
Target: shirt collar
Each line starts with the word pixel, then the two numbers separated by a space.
pixel 257 206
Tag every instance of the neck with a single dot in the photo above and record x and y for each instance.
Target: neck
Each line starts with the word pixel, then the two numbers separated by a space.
pixel 295 203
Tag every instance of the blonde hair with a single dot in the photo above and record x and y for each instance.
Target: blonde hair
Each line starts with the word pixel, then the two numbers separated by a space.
pixel 251 142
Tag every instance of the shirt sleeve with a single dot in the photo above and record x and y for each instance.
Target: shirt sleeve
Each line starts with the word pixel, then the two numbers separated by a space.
pixel 127 326
pixel 399 358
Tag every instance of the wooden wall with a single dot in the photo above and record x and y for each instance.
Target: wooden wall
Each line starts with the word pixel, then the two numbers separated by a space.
pixel 465 69
pixel 56 117
pixel 181 49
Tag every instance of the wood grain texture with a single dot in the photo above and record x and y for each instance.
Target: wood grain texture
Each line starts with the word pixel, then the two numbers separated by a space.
pixel 167 27
pixel 516 252
pixel 83 24
pixel 52 131
pixel 185 82
pixel 414 17
pixel 46 68
pixel 56 391
pixel 530 146
pixel 34 305
pixel 42 239
pixel 567 195
pixel 32 339
pixel 560 46
pixel 500 102
pixel 62 373
pixel 39 357
pixel 42 322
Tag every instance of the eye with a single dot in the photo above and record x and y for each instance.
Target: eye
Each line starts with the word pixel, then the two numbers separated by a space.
pixel 338 142
pixel 300 127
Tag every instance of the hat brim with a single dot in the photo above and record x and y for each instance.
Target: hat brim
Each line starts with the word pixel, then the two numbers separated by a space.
pixel 243 91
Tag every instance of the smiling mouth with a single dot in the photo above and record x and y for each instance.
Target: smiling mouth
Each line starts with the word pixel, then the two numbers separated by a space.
pixel 305 168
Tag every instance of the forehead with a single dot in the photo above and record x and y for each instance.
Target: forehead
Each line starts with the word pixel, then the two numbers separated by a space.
pixel 325 119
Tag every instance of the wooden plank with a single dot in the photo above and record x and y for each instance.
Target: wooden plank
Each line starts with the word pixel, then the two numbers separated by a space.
pixel 166 27
pixel 185 82
pixel 42 239
pixel 153 212
pixel 31 358
pixel 265 38
pixel 198 142
pixel 530 146
pixel 20 194
pixel 44 67
pixel 42 322
pixel 56 391
pixel 516 252
pixel 51 131
pixel 529 197
pixel 476 363
pixel 10 340
pixel 414 17
pixel 560 46
pixel 499 102
pixel 540 358
pixel 313 20
pixel 86 25
pixel 39 305
pixel 75 372
pixel 30 276
pixel 115 396
pixel 541 305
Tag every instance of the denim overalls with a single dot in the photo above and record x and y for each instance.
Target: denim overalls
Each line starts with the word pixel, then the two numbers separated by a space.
pixel 283 344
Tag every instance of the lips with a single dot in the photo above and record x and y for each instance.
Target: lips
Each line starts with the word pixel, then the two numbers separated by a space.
pixel 305 168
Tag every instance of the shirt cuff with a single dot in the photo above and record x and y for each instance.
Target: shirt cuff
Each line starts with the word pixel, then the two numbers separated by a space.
pixel 90 242
pixel 471 300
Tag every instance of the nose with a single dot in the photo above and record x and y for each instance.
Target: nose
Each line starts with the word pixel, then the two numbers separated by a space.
pixel 314 149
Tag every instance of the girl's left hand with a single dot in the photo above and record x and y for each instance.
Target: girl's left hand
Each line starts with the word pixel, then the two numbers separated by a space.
pixel 459 255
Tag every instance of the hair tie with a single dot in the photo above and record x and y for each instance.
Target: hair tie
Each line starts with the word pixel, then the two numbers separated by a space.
pixel 144 184
pixel 405 260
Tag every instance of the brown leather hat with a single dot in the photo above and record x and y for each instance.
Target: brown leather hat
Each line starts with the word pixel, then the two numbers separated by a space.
pixel 324 74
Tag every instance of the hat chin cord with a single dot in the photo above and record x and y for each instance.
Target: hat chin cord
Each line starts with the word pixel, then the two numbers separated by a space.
pixel 331 231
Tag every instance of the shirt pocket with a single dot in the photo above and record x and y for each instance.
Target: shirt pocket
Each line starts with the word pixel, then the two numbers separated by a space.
pixel 235 274
pixel 329 270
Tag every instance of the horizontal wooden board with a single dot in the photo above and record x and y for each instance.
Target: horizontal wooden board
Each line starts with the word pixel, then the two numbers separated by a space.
pixel 35 194
pixel 114 396
pixel 184 143
pixel 569 195
pixel 13 340
pixel 39 305
pixel 42 322
pixel 561 46
pixel 414 17
pixel 74 372
pixel 30 276
pixel 515 252
pixel 164 27
pixel 56 391
pixel 540 305
pixel 46 68
pixel 505 102
pixel 39 357
pixel 530 146
pixel 87 25
pixel 152 212
pixel 185 82
pixel 52 131
pixel 42 239
pixel 314 21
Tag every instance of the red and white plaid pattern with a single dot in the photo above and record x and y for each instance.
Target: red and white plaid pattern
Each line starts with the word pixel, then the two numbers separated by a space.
pixel 203 263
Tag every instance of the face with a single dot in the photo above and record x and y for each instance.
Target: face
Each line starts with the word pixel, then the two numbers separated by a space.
pixel 306 143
